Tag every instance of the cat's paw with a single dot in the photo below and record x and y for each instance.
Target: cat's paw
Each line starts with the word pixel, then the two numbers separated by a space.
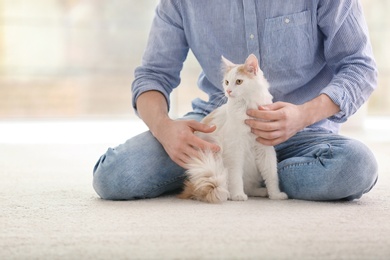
pixel 278 196
pixel 239 197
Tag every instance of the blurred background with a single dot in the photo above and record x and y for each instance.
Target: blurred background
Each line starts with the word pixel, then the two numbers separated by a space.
pixel 74 59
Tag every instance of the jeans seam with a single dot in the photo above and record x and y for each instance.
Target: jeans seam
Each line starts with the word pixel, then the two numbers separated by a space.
pixel 157 187
pixel 292 165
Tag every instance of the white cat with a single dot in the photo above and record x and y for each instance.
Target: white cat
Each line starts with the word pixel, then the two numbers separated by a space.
pixel 237 171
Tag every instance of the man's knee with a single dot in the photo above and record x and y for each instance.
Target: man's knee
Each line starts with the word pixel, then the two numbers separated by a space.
pixel 103 177
pixel 362 169
pixel 112 177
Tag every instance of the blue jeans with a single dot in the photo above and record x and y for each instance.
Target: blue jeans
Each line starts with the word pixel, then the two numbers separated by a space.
pixel 311 166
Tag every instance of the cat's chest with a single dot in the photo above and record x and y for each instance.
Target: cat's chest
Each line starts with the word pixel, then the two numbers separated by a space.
pixel 233 121
pixel 237 112
pixel 236 135
pixel 235 126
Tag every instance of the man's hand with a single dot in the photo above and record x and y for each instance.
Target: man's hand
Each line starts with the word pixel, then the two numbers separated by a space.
pixel 277 122
pixel 178 139
pixel 176 136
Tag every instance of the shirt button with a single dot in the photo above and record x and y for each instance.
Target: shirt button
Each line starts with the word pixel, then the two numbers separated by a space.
pixel 252 36
pixel 287 20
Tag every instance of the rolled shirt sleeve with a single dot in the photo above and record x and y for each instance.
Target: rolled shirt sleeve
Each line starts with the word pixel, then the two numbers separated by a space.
pixel 348 53
pixel 165 53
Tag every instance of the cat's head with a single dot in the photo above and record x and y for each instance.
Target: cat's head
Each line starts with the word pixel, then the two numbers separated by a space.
pixel 243 80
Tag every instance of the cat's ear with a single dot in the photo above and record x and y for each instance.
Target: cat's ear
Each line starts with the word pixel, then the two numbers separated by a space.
pixel 252 65
pixel 227 64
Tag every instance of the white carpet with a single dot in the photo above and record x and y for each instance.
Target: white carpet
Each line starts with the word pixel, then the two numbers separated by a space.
pixel 48 210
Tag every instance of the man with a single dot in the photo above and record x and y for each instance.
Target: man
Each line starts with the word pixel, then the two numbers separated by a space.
pixel 318 60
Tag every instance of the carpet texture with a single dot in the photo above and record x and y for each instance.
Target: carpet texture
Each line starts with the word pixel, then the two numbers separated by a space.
pixel 50 211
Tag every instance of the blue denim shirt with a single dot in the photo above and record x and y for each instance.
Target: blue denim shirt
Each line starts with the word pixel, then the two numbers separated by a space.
pixel 305 48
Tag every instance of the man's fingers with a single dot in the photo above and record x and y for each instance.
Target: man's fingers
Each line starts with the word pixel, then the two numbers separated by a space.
pixel 271 112
pixel 267 126
pixel 197 126
pixel 200 143
pixel 273 106
pixel 269 142
pixel 183 158
pixel 265 115
pixel 204 145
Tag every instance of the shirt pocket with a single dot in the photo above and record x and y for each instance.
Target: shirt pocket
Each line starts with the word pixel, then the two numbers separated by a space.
pixel 288 42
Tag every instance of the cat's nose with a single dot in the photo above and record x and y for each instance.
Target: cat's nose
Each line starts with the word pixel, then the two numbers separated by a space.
pixel 228 91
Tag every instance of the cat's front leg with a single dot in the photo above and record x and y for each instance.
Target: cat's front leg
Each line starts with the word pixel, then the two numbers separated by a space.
pixel 242 197
pixel 235 181
pixel 267 164
pixel 237 196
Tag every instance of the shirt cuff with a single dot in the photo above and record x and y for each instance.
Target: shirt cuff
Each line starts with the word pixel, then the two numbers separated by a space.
pixel 340 98
pixel 140 90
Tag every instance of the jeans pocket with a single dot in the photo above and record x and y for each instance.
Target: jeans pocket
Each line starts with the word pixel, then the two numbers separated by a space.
pixel 288 41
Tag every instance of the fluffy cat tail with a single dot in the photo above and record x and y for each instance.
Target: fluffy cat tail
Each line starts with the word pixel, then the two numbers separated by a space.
pixel 207 179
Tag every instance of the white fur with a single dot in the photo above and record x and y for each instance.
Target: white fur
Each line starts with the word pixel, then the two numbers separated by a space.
pixel 208 171
pixel 237 171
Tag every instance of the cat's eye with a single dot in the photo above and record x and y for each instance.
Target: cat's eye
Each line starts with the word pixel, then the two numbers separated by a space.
pixel 239 81
pixel 226 82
